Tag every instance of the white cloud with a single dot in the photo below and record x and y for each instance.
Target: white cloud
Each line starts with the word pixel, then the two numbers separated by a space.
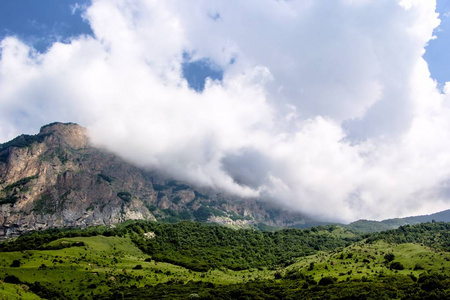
pixel 328 107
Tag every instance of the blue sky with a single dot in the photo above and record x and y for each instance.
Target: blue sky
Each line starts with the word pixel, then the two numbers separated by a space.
pixel 310 104
pixel 40 23
pixel 437 52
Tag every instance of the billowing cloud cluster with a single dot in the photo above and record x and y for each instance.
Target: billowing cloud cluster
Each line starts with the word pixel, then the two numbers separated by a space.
pixel 326 107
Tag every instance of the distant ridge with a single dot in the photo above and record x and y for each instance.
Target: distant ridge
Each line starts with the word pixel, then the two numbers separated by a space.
pixel 368 226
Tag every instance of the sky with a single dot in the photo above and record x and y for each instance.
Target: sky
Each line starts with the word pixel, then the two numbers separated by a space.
pixel 337 109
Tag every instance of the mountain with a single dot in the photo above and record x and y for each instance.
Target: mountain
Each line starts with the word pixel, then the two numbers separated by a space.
pixel 57 179
pixel 367 226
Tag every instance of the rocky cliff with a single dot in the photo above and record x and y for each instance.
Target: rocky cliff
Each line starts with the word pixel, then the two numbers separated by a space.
pixel 56 179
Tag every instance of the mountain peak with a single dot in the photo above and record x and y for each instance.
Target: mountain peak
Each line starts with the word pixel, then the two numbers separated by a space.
pixel 71 134
pixel 56 126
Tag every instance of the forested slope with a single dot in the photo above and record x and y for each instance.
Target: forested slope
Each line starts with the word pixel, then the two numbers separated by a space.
pixel 138 260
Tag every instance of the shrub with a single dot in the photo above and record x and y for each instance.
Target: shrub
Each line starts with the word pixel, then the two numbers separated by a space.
pixel 397 266
pixel 278 275
pixel 11 279
pixel 293 274
pixel 15 263
pixel 125 196
pixel 430 282
pixel 327 280
pixel 413 278
pixel 389 257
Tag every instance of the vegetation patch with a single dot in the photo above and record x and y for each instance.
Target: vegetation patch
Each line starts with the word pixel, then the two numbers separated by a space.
pixel 190 260
pixel 436 235
pixel 106 178
pixel 125 196
pixel 24 141
pixel 176 186
pixel 9 199
pixel 203 213
pixel 20 183
pixel 234 216
pixel 44 204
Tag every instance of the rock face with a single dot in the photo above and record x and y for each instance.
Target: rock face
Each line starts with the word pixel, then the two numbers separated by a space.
pixel 56 179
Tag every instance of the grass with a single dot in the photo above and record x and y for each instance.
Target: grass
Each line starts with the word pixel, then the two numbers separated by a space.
pixel 95 266
pixel 104 262
pixel 367 260
pixel 16 291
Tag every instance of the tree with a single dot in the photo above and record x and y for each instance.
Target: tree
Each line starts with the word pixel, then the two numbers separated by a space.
pixel 397 266
pixel 389 257
pixel 15 263
pixel 327 281
pixel 11 279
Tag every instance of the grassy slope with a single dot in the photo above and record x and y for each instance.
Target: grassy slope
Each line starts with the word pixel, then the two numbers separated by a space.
pixel 107 263
pixel 16 291
pixel 75 270
pixel 368 260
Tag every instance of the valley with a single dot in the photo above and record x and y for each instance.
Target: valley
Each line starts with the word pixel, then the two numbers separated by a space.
pixel 125 262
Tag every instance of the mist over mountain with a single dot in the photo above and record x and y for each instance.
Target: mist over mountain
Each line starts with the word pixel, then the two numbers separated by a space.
pixel 316 105
pixel 57 179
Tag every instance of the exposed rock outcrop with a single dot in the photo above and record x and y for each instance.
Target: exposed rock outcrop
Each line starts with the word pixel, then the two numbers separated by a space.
pixel 56 179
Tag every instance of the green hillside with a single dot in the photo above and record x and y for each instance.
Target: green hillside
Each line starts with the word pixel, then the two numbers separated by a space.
pixel 139 260
pixel 367 226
